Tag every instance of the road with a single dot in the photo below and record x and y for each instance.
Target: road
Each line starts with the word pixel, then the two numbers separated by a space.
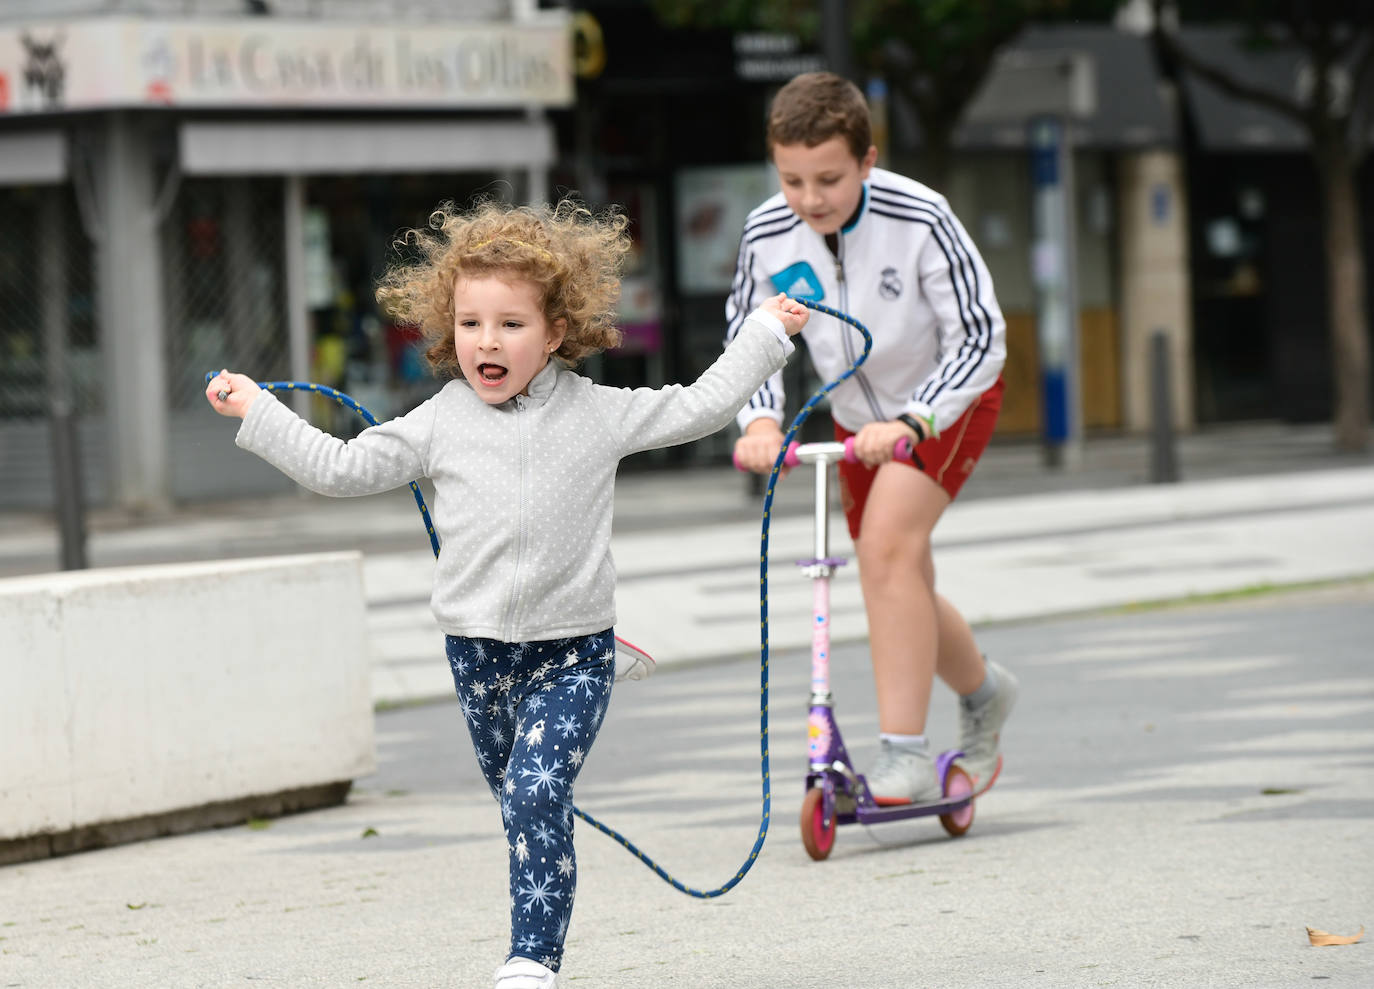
pixel 690 594
pixel 1187 788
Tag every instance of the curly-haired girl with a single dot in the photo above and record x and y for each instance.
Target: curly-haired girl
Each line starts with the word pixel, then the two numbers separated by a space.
pixel 523 454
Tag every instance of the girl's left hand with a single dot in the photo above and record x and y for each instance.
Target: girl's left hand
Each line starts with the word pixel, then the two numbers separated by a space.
pixel 791 313
pixel 874 443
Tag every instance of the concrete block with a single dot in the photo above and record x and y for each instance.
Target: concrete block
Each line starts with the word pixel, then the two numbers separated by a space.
pixel 35 754
pixel 129 694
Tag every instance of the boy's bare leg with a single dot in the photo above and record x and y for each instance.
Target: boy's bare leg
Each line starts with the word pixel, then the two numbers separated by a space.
pixel 913 631
pixel 896 575
pixel 960 663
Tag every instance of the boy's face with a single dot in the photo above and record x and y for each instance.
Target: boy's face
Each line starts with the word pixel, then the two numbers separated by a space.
pixel 824 184
pixel 501 335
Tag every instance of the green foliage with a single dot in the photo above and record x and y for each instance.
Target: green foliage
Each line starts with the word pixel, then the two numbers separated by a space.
pixel 951 38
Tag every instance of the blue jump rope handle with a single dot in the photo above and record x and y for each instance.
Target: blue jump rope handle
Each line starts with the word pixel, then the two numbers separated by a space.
pixel 791 433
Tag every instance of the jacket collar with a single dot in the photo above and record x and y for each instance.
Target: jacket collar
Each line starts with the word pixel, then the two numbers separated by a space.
pixel 859 212
pixel 542 384
pixel 541 387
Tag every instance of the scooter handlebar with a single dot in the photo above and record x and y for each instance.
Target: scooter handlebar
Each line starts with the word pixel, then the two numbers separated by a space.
pixel 798 452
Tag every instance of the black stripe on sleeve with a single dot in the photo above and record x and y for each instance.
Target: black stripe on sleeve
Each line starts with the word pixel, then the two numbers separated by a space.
pixel 973 314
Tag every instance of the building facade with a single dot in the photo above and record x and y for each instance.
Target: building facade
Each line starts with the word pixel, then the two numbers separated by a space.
pixel 193 185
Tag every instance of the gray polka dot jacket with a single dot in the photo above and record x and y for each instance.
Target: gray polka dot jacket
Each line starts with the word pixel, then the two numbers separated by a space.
pixel 524 489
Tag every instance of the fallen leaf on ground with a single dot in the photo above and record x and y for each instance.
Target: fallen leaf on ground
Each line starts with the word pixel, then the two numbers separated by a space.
pixel 1320 938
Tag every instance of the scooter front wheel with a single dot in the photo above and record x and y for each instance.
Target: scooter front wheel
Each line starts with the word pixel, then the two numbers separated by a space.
pixel 818 834
pixel 957 783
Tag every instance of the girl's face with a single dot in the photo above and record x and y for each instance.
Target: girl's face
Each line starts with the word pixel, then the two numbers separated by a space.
pixel 823 185
pixel 501 335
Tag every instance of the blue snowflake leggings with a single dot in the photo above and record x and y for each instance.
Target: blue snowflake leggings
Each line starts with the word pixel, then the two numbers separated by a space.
pixel 533 709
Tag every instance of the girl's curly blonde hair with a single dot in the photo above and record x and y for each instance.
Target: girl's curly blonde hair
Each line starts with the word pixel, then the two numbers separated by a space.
pixel 573 255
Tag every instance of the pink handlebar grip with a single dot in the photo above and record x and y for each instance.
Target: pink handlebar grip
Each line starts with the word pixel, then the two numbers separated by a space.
pixel 901 450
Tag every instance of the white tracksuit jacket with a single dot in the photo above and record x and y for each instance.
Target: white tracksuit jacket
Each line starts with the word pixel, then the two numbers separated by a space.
pixel 908 271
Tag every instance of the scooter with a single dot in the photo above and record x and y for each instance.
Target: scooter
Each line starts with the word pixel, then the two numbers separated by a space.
pixel 836 793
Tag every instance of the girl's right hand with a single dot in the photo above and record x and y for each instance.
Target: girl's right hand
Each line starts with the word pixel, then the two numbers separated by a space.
pixel 240 391
pixel 757 450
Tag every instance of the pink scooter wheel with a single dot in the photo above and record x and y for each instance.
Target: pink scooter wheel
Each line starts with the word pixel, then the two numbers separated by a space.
pixel 817 838
pixel 957 783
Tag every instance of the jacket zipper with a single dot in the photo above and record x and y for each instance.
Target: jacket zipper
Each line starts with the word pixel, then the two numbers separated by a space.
pixel 520 526
pixel 859 378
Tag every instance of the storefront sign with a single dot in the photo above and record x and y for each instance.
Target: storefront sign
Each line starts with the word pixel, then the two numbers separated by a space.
pixel 764 57
pixel 82 65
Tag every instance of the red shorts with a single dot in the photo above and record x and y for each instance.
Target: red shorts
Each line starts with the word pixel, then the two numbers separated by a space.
pixel 947 460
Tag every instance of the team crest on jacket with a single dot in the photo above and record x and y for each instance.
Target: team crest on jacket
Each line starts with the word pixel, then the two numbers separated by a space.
pixel 799 281
pixel 891 285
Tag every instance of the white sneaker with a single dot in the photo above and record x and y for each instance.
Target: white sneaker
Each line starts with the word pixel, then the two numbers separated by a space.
pixel 525 973
pixel 631 662
pixel 902 776
pixel 980 729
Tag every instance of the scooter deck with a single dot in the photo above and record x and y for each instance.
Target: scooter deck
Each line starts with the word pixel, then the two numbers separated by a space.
pixel 871 813
pixel 865 811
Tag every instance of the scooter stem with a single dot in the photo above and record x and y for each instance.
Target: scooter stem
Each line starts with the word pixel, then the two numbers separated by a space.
pixel 819 569
pixel 822 502
pixel 820 643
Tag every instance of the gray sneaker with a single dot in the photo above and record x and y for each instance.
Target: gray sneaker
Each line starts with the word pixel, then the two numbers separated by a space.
pixel 980 729
pixel 902 776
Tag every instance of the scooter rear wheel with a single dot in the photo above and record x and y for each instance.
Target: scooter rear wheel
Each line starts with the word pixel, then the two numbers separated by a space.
pixel 816 836
pixel 957 783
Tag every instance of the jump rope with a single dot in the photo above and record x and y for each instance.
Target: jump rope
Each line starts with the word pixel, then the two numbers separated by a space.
pixel 797 422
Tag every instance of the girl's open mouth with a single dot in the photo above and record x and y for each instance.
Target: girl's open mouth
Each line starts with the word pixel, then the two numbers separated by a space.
pixel 491 374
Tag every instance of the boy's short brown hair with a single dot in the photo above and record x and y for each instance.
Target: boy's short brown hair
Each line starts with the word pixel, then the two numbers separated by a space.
pixel 816 106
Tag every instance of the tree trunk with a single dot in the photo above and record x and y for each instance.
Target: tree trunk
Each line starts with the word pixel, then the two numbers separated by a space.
pixel 1345 289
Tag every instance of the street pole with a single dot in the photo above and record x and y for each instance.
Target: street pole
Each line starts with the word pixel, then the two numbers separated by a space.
pixel 1163 455
pixel 1054 273
pixel 297 302
pixel 835 37
pixel 67 487
pixel 1044 91
pixel 65 446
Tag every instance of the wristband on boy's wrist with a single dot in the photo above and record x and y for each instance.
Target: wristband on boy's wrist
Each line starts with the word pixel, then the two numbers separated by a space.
pixel 921 428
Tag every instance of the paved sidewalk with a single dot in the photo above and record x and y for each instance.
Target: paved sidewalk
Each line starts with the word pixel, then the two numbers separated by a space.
pixel 691 594
pixel 1186 789
pixel 1191 790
